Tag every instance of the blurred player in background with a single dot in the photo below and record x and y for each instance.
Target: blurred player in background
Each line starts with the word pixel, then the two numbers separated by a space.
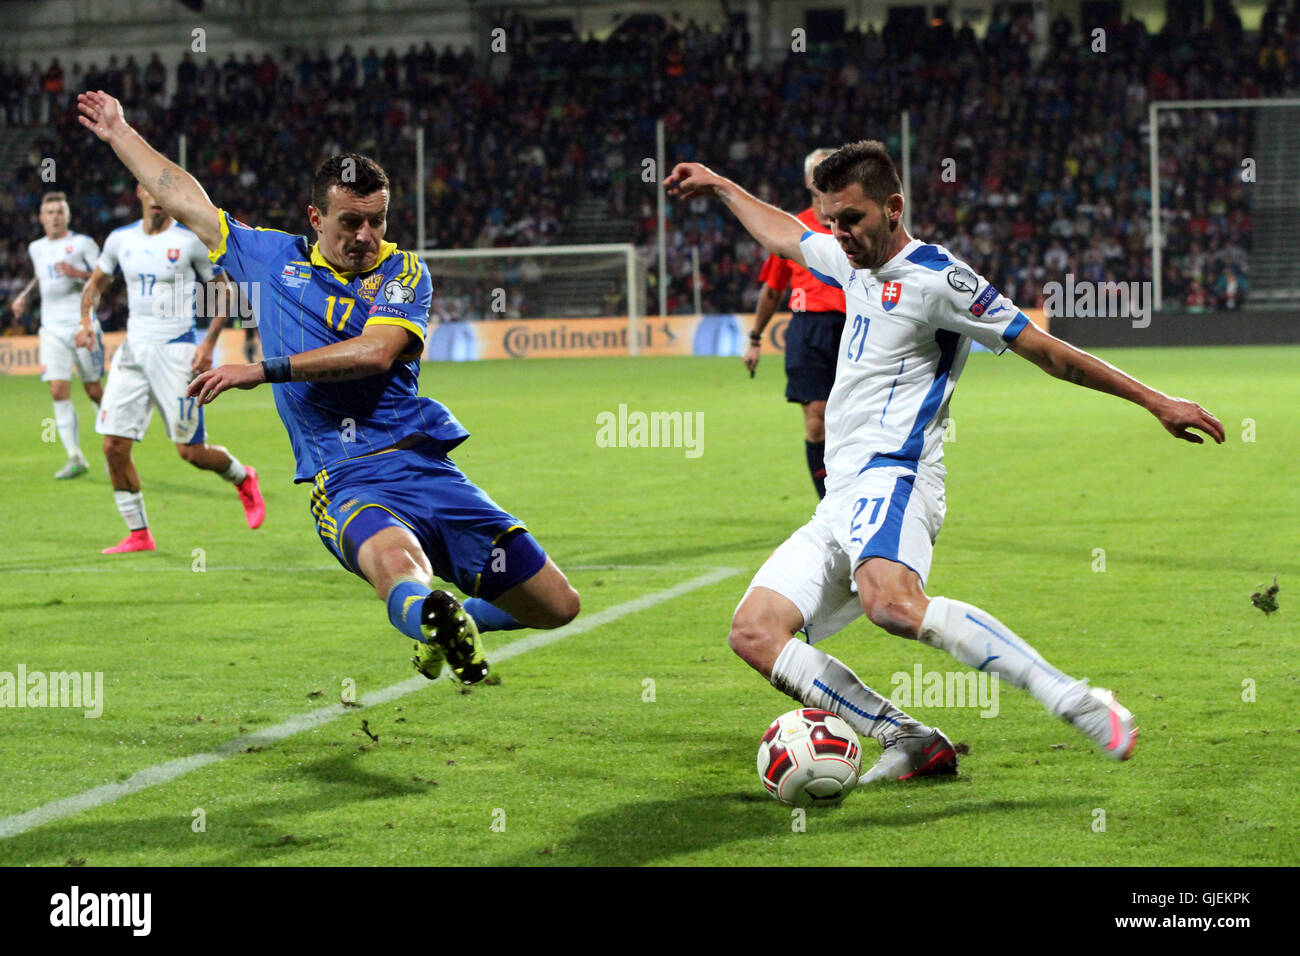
pixel 62 262
pixel 812 337
pixel 252 347
pixel 343 321
pixel 160 260
pixel 916 309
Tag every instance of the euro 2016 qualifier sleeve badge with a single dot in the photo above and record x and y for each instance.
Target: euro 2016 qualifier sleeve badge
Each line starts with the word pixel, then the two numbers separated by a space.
pixel 395 292
pixel 963 280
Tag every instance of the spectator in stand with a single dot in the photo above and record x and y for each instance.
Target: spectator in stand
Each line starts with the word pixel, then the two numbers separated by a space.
pixel 1068 193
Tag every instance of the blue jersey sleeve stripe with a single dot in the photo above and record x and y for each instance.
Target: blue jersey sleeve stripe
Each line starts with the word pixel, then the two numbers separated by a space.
pixel 1016 327
pixel 822 277
pixel 930 257
pixel 806 234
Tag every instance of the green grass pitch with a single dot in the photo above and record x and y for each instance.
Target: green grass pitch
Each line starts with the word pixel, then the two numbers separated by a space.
pixel 567 760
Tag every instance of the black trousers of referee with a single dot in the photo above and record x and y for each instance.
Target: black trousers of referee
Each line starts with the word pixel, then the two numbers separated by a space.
pixel 812 346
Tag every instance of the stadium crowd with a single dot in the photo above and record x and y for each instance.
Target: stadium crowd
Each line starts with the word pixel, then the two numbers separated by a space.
pixel 1029 154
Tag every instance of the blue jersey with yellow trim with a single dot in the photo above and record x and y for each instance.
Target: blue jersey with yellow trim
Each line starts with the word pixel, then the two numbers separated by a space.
pixel 303 303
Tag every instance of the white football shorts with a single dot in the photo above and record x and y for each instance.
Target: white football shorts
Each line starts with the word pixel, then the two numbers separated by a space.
pixel 887 513
pixel 144 377
pixel 60 355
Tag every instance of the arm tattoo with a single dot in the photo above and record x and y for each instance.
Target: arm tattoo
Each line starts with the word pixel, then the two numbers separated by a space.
pixel 1073 374
pixel 165 179
pixel 325 373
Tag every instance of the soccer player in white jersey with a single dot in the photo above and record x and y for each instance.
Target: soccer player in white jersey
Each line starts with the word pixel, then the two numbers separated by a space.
pixel 62 262
pixel 913 312
pixel 160 260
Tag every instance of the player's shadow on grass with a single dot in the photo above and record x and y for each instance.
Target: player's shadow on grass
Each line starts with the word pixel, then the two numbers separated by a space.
pixel 660 831
pixel 249 832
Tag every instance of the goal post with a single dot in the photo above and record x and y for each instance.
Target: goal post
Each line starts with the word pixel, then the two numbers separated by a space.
pixel 522 282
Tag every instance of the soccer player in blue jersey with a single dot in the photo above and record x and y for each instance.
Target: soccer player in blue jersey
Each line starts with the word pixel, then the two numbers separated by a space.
pixel 343 322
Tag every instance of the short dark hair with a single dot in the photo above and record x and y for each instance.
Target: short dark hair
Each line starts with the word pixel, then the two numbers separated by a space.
pixel 866 163
pixel 53 197
pixel 359 175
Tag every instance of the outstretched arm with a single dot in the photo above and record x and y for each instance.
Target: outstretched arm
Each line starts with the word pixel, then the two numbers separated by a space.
pixel 371 353
pixel 1064 361
pixel 177 191
pixel 775 230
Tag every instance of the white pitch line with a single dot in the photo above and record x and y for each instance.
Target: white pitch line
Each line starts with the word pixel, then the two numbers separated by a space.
pixel 164 772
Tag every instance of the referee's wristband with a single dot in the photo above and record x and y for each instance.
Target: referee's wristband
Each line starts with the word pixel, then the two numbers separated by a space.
pixel 756 337
pixel 276 369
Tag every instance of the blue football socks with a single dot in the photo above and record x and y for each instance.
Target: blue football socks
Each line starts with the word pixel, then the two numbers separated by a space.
pixel 489 617
pixel 405 601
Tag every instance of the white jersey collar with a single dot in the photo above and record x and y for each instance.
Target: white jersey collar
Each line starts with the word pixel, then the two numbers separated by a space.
pixel 899 260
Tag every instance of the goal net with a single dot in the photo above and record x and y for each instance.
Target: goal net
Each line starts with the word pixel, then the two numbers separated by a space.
pixel 537 282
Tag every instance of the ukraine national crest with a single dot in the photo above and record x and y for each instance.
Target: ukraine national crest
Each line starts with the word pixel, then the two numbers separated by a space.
pixel 173 255
pixel 368 287
pixel 890 294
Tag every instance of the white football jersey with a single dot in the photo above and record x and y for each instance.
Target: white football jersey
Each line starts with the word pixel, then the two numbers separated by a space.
pixel 60 294
pixel 163 273
pixel 908 330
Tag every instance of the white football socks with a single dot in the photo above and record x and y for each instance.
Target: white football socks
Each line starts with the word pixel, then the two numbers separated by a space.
pixel 819 680
pixel 981 641
pixel 234 471
pixel 65 421
pixel 130 505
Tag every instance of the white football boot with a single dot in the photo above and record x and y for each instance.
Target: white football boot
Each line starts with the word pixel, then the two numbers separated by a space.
pixel 75 468
pixel 928 754
pixel 1110 726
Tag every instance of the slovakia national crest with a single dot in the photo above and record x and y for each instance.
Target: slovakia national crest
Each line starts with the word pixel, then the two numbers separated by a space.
pixel 173 255
pixel 890 294
pixel 67 249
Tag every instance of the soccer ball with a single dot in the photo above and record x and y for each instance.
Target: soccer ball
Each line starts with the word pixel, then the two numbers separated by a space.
pixel 809 757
